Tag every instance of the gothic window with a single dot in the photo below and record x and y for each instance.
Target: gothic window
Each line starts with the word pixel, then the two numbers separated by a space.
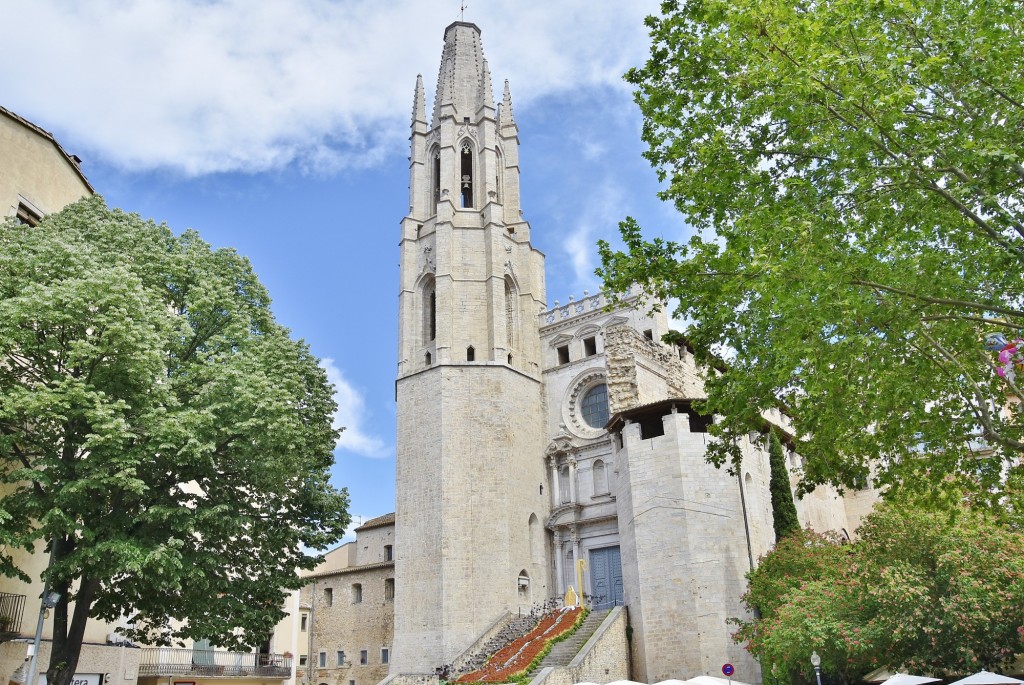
pixel 466 175
pixel 594 407
pixel 435 185
pixel 470 354
pixel 600 478
pixel 499 167
pixel 427 359
pixel 429 302
pixel 510 312
pixel 536 540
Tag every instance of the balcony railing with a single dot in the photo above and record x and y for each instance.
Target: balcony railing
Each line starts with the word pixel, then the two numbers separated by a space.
pixel 207 663
pixel 12 607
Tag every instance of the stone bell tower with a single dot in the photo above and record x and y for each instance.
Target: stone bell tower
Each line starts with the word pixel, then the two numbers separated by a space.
pixel 470 512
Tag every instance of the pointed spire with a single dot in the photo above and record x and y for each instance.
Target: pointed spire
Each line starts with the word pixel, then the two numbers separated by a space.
pixel 486 92
pixel 508 118
pixel 419 105
pixel 461 75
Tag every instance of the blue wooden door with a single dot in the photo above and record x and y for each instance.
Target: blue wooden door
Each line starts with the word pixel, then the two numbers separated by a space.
pixel 605 577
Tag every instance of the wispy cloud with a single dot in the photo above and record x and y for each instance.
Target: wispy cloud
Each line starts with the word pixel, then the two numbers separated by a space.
pixel 597 218
pixel 351 416
pixel 201 86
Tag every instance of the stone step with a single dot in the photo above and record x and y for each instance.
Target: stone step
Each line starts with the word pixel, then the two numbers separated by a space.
pixel 565 651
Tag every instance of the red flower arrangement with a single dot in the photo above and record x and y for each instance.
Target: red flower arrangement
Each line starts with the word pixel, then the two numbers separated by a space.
pixel 515 658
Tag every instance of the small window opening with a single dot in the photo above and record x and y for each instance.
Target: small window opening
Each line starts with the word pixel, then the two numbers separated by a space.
pixel 649 334
pixel 385 655
pixel 351 682
pixel 510 359
pixel 357 593
pixel 590 346
pixel 433 314
pixel 466 174
pixel 563 354
pixel 341 657
pixel 437 179
pixel 427 358
pixel 651 428
pixel 26 215
pixel 363 659
pixel 329 596
pixel 389 553
pixel 303 660
pixel 470 354
pixel 305 622
pixel 323 659
pixel 699 423
pixel 389 589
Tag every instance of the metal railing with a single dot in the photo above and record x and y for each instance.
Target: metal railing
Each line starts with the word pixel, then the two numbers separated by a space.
pixel 12 608
pixel 169 661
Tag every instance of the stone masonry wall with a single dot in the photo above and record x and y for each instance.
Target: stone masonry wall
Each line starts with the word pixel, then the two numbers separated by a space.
pixel 642 371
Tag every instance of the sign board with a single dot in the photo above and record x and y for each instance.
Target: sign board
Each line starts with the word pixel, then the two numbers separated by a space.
pixel 727 669
pixel 79 679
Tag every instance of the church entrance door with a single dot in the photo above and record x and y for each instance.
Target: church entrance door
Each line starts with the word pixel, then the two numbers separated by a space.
pixel 606 577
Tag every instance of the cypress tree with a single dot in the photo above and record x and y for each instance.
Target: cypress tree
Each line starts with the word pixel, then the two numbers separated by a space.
pixel 784 518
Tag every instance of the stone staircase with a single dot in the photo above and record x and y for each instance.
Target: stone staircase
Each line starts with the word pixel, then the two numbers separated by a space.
pixel 565 651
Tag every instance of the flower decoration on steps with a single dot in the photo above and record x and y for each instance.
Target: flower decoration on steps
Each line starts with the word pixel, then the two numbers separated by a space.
pixel 516 659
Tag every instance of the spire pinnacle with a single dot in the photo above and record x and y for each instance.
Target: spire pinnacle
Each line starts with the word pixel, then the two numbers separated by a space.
pixel 419 105
pixel 462 66
pixel 507 117
pixel 486 92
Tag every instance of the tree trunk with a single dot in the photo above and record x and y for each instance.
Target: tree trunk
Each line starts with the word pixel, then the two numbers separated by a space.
pixel 67 643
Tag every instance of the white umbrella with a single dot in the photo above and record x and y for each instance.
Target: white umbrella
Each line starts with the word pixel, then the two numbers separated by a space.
pixel 986 678
pixel 712 680
pixel 904 679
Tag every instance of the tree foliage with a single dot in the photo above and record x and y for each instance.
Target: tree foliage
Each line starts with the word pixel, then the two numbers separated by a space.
pixel 784 518
pixel 935 591
pixel 853 172
pixel 160 433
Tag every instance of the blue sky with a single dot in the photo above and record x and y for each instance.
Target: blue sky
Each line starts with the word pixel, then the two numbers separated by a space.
pixel 280 129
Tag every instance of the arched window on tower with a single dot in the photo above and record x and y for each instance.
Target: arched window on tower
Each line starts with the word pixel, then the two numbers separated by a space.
pixel 510 312
pixel 499 172
pixel 435 186
pixel 429 302
pixel 600 478
pixel 466 175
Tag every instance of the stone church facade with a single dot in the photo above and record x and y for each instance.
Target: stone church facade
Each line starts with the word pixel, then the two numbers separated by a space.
pixel 541 448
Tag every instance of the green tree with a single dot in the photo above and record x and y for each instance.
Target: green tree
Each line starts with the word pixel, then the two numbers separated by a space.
pixel 929 590
pixel 160 434
pixel 853 172
pixel 784 518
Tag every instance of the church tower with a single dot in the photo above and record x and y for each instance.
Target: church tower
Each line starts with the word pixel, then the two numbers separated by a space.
pixel 470 508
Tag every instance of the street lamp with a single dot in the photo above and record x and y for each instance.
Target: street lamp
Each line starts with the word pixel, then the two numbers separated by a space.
pixel 50 600
pixel 816 662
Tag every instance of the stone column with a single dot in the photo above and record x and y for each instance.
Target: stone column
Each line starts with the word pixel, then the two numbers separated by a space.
pixel 559 565
pixel 555 495
pixel 572 480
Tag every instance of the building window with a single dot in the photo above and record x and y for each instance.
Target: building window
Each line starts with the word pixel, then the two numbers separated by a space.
pixel 649 334
pixel 323 660
pixel 389 589
pixel 28 216
pixel 590 346
pixel 329 596
pixel 437 178
pixel 385 655
pixel 594 407
pixel 470 354
pixel 563 484
pixel 305 620
pixel 357 593
pixel 351 682
pixel 510 312
pixel 563 354
pixel 363 658
pixel 303 660
pixel 600 478
pixel 466 175
pixel 341 657
pixel 389 553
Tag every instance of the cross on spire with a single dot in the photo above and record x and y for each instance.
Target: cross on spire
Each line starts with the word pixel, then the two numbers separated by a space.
pixel 462 10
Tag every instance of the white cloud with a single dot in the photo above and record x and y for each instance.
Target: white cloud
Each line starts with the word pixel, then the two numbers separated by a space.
pixel 200 86
pixel 599 217
pixel 350 416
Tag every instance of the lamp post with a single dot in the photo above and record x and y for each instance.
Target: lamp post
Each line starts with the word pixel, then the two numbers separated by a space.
pixel 816 662
pixel 50 600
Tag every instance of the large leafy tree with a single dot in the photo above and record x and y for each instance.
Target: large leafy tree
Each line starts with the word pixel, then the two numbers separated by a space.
pixel 938 591
pixel 855 177
pixel 160 434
